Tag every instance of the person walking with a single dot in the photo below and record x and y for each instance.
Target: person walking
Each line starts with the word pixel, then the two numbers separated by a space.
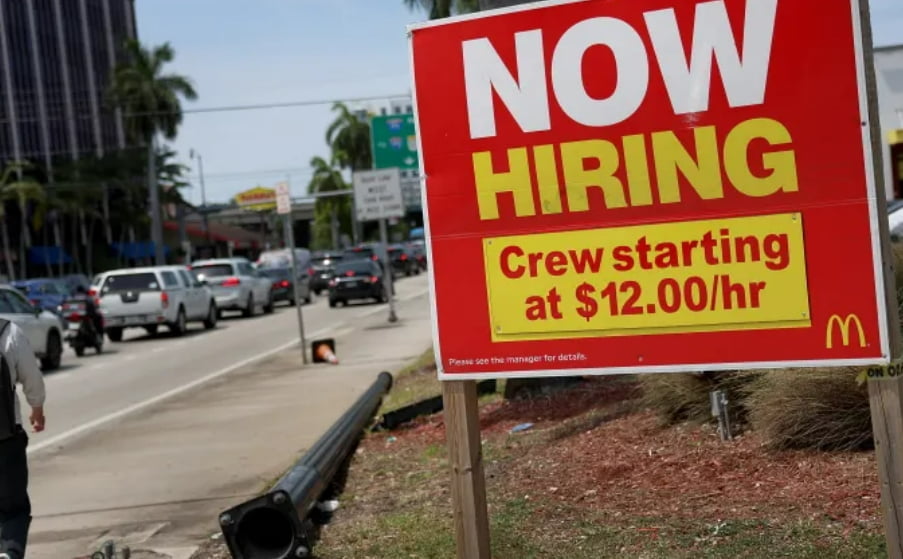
pixel 18 365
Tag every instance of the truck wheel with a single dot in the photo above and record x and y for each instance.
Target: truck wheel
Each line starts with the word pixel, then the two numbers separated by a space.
pixel 178 327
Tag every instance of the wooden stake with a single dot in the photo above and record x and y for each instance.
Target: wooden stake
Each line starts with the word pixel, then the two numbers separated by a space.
pixel 885 395
pixel 462 427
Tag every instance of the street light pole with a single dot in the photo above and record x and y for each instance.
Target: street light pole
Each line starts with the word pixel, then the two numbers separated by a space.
pixel 194 154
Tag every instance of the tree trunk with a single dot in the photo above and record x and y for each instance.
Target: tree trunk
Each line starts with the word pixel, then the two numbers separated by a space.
pixel 107 227
pixel 7 255
pixel 46 240
pixel 89 247
pixel 58 238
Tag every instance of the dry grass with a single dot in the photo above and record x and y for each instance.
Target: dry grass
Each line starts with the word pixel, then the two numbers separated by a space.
pixel 677 397
pixel 823 409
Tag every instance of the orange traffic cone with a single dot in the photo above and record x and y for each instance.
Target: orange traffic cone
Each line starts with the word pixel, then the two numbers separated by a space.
pixel 323 351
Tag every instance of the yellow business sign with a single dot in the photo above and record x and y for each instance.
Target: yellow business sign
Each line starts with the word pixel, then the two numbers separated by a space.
pixel 258 199
pixel 696 276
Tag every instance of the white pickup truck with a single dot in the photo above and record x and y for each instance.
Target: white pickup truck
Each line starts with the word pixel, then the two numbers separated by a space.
pixel 150 297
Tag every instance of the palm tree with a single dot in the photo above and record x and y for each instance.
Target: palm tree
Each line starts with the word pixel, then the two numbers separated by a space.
pixel 17 186
pixel 349 139
pixel 443 8
pixel 327 178
pixel 151 101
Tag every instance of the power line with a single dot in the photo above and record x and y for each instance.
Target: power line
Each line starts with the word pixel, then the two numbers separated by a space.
pixel 220 109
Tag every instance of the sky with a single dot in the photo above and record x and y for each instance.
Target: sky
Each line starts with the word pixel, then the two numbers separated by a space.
pixel 244 52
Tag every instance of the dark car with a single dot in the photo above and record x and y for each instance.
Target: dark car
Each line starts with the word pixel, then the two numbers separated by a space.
pixel 357 279
pixel 283 288
pixel 403 261
pixel 47 294
pixel 367 251
pixel 322 268
pixel 419 250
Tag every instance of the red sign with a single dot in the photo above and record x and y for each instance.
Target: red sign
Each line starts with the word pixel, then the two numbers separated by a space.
pixel 649 185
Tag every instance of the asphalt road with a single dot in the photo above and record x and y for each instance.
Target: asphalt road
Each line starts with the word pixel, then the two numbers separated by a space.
pixel 148 442
pixel 88 392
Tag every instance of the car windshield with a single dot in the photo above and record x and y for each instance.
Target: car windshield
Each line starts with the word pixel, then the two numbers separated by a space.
pixel 358 254
pixel 142 281
pixel 357 266
pixel 325 262
pixel 276 273
pixel 214 270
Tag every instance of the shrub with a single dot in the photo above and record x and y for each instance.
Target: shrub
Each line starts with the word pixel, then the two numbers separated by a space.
pixel 822 409
pixel 677 397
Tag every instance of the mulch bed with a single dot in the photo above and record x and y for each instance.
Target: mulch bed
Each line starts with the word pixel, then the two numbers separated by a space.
pixel 587 448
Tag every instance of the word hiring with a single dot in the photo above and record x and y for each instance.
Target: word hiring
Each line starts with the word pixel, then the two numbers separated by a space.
pixel 605 164
pixel 710 249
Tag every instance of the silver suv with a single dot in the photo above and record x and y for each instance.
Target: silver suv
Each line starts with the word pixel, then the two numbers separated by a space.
pixel 150 297
pixel 237 285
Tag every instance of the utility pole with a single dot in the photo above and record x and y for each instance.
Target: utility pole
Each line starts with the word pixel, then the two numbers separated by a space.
pixel 154 191
pixel 194 154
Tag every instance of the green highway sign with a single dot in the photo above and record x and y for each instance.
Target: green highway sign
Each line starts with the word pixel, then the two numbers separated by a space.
pixel 394 142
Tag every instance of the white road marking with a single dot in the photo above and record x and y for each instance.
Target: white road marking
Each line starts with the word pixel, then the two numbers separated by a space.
pixel 89 426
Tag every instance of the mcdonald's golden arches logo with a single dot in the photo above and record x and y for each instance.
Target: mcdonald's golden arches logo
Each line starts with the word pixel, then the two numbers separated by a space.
pixel 844 326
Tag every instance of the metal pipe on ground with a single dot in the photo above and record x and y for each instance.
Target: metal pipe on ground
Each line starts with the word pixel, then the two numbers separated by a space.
pixel 284 522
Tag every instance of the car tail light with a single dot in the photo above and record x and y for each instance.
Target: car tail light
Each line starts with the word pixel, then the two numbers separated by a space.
pixel 374 279
pixel 350 273
pixel 164 299
pixel 374 258
pixel 310 271
pixel 231 282
pixel 92 292
pixel 284 283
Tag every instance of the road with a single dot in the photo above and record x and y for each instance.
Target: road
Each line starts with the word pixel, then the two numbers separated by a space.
pixel 115 455
pixel 90 391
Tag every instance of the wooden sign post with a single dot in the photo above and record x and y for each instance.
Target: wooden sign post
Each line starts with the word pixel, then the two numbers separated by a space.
pixel 702 193
pixel 885 394
pixel 468 483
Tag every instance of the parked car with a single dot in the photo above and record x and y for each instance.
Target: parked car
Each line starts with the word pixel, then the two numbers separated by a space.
pixel 283 287
pixel 147 298
pixel 42 328
pixel 403 261
pixel 236 284
pixel 48 294
pixel 322 268
pixel 357 279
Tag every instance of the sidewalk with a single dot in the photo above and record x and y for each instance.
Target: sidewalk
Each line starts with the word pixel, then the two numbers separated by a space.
pixel 157 480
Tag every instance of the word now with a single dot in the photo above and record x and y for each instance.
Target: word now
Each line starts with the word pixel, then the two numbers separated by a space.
pixel 688 82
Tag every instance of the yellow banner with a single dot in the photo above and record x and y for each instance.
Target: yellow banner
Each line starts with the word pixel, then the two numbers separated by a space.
pixel 695 276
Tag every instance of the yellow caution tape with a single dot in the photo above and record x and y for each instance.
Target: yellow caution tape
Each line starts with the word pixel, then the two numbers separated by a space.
pixel 890 371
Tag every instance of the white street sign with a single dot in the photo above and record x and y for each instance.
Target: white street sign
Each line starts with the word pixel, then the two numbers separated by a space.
pixel 283 199
pixel 377 194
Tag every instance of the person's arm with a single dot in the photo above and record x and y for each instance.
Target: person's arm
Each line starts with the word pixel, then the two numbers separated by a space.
pixel 30 376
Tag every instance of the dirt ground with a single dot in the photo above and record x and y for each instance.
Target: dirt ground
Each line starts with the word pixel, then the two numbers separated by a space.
pixel 590 475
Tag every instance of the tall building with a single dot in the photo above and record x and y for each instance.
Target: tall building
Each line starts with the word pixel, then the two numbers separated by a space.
pixel 56 58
